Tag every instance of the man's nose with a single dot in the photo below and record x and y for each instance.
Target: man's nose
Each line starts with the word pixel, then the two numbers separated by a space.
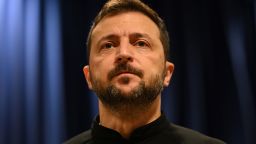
pixel 124 53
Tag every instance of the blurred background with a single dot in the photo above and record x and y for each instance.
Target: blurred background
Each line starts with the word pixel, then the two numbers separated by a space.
pixel 44 98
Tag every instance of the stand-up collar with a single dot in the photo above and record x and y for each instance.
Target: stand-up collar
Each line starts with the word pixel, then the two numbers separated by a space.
pixel 103 134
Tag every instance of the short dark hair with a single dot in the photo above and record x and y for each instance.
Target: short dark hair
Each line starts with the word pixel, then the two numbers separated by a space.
pixel 114 7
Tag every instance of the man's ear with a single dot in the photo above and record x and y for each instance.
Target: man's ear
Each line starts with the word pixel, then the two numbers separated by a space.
pixel 87 76
pixel 168 74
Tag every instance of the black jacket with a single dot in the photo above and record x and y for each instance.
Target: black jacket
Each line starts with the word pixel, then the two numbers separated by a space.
pixel 158 132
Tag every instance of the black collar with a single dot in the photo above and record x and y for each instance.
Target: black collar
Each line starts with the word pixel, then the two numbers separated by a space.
pixel 103 134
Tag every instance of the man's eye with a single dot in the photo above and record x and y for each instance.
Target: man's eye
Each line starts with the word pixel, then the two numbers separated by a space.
pixel 141 44
pixel 108 45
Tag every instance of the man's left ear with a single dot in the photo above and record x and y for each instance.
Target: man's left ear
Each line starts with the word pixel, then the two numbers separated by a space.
pixel 169 72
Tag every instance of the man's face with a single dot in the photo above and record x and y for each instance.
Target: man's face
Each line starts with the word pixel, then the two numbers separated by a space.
pixel 127 58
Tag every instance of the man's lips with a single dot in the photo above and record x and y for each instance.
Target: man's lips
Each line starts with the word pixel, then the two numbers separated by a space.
pixel 125 72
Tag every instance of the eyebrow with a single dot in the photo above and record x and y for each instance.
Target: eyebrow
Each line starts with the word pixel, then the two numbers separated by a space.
pixel 110 36
pixel 140 35
pixel 132 35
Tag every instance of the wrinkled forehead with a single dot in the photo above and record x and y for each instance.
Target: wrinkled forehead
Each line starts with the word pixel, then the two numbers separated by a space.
pixel 125 24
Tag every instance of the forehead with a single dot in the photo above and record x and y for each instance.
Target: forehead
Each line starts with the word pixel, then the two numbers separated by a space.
pixel 124 24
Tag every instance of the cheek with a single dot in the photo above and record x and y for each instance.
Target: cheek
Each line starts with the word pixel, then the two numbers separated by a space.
pixel 157 61
pixel 100 68
pixel 154 66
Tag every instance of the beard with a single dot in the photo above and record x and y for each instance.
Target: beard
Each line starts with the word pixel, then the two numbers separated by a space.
pixel 139 98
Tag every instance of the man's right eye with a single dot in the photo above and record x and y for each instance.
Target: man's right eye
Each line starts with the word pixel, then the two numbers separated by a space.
pixel 108 45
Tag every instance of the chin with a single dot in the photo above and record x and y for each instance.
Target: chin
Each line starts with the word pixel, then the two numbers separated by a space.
pixel 126 91
pixel 126 88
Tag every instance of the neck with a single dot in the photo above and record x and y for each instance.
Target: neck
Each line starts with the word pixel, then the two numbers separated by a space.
pixel 127 121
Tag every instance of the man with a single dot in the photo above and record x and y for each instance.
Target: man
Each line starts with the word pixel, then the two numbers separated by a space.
pixel 128 49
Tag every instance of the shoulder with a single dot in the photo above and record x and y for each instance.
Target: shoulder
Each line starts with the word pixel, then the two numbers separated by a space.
pixel 189 136
pixel 83 138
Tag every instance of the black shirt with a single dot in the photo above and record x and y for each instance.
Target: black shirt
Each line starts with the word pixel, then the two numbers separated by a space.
pixel 159 131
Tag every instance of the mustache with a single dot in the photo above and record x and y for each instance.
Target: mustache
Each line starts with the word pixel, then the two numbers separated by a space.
pixel 124 67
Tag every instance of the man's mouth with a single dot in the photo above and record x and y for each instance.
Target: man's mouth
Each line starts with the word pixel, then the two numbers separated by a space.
pixel 124 69
pixel 124 72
